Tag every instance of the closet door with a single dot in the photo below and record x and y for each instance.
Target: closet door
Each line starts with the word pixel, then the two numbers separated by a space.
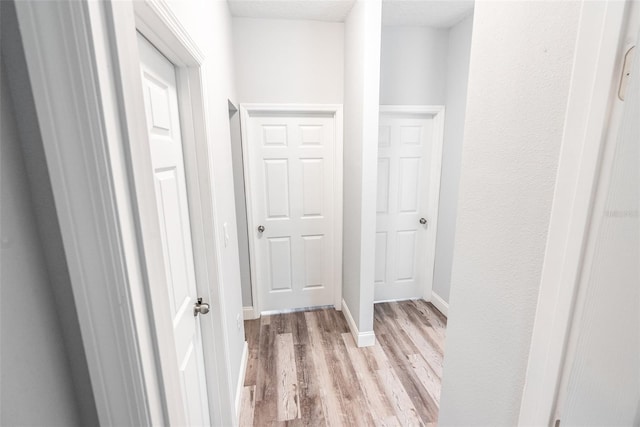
pixel 408 157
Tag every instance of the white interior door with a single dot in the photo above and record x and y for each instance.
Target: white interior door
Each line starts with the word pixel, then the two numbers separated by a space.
pixel 408 168
pixel 600 384
pixel 291 179
pixel 163 122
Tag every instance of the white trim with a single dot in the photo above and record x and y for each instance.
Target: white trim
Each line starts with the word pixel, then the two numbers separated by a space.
pixel 438 112
pixel 396 300
pixel 594 70
pixel 243 370
pixel 154 19
pixel 246 110
pixel 248 313
pixel 61 54
pixel 362 339
pixel 440 304
pixel 296 310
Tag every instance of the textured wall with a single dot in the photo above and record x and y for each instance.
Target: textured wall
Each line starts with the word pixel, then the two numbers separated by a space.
pixel 521 61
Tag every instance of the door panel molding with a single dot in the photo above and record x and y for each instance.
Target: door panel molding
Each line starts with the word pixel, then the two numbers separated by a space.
pixel 309 138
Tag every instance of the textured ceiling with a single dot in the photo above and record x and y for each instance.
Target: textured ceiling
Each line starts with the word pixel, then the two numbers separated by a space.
pixel 430 13
pixel 315 10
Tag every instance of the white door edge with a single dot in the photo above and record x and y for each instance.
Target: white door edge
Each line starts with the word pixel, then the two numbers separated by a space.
pixel 596 65
pixel 437 112
pixel 335 110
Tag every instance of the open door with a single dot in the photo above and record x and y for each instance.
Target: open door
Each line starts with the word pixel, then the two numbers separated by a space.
pixel 601 379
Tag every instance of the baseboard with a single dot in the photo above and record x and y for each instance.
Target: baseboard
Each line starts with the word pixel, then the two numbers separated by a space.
pixel 248 313
pixel 440 304
pixel 382 301
pixel 243 371
pixel 362 339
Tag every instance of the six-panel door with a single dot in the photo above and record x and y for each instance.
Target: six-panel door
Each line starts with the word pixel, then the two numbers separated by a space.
pixel 291 166
pixel 163 121
pixel 404 161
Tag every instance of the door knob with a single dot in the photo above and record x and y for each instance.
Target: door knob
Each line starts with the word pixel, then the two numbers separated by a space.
pixel 261 229
pixel 423 221
pixel 200 307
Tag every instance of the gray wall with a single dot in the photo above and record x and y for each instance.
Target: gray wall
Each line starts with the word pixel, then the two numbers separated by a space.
pixel 458 51
pixel 45 378
pixel 241 205
pixel 37 388
pixel 413 66
pixel 521 63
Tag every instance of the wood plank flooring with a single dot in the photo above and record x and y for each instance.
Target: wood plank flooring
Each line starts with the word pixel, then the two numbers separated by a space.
pixel 304 369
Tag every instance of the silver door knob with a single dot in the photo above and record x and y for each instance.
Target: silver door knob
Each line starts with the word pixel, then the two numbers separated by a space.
pixel 200 307
pixel 261 229
pixel 423 221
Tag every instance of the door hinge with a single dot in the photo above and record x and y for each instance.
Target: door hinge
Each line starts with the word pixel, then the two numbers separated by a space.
pixel 557 423
pixel 626 72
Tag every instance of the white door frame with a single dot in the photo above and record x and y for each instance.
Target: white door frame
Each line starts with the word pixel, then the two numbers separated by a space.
pixel 246 111
pixel 85 77
pixel 597 64
pixel 154 20
pixel 437 112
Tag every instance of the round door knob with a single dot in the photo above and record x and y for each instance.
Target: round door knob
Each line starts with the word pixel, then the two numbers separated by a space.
pixel 423 221
pixel 261 228
pixel 200 307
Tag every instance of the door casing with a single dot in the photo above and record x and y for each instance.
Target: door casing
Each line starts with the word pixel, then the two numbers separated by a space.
pixel 156 22
pixel 246 112
pixel 597 68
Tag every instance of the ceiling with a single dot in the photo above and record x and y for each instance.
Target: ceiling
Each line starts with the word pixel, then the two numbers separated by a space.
pixel 431 13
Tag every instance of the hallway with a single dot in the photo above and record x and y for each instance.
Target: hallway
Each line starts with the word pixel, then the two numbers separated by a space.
pixel 304 368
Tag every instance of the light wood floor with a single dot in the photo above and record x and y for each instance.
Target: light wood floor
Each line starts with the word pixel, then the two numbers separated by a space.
pixel 305 369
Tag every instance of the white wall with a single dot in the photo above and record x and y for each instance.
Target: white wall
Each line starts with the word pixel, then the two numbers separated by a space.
pixel 457 63
pixel 413 66
pixel 361 96
pixel 288 61
pixel 37 384
pixel 521 61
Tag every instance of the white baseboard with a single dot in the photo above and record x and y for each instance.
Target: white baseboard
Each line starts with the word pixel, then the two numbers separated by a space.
pixel 248 313
pixel 243 371
pixel 396 300
pixel 440 304
pixel 362 339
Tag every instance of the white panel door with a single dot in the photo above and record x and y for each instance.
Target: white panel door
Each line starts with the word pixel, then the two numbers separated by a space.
pixel 163 122
pixel 405 161
pixel 291 168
